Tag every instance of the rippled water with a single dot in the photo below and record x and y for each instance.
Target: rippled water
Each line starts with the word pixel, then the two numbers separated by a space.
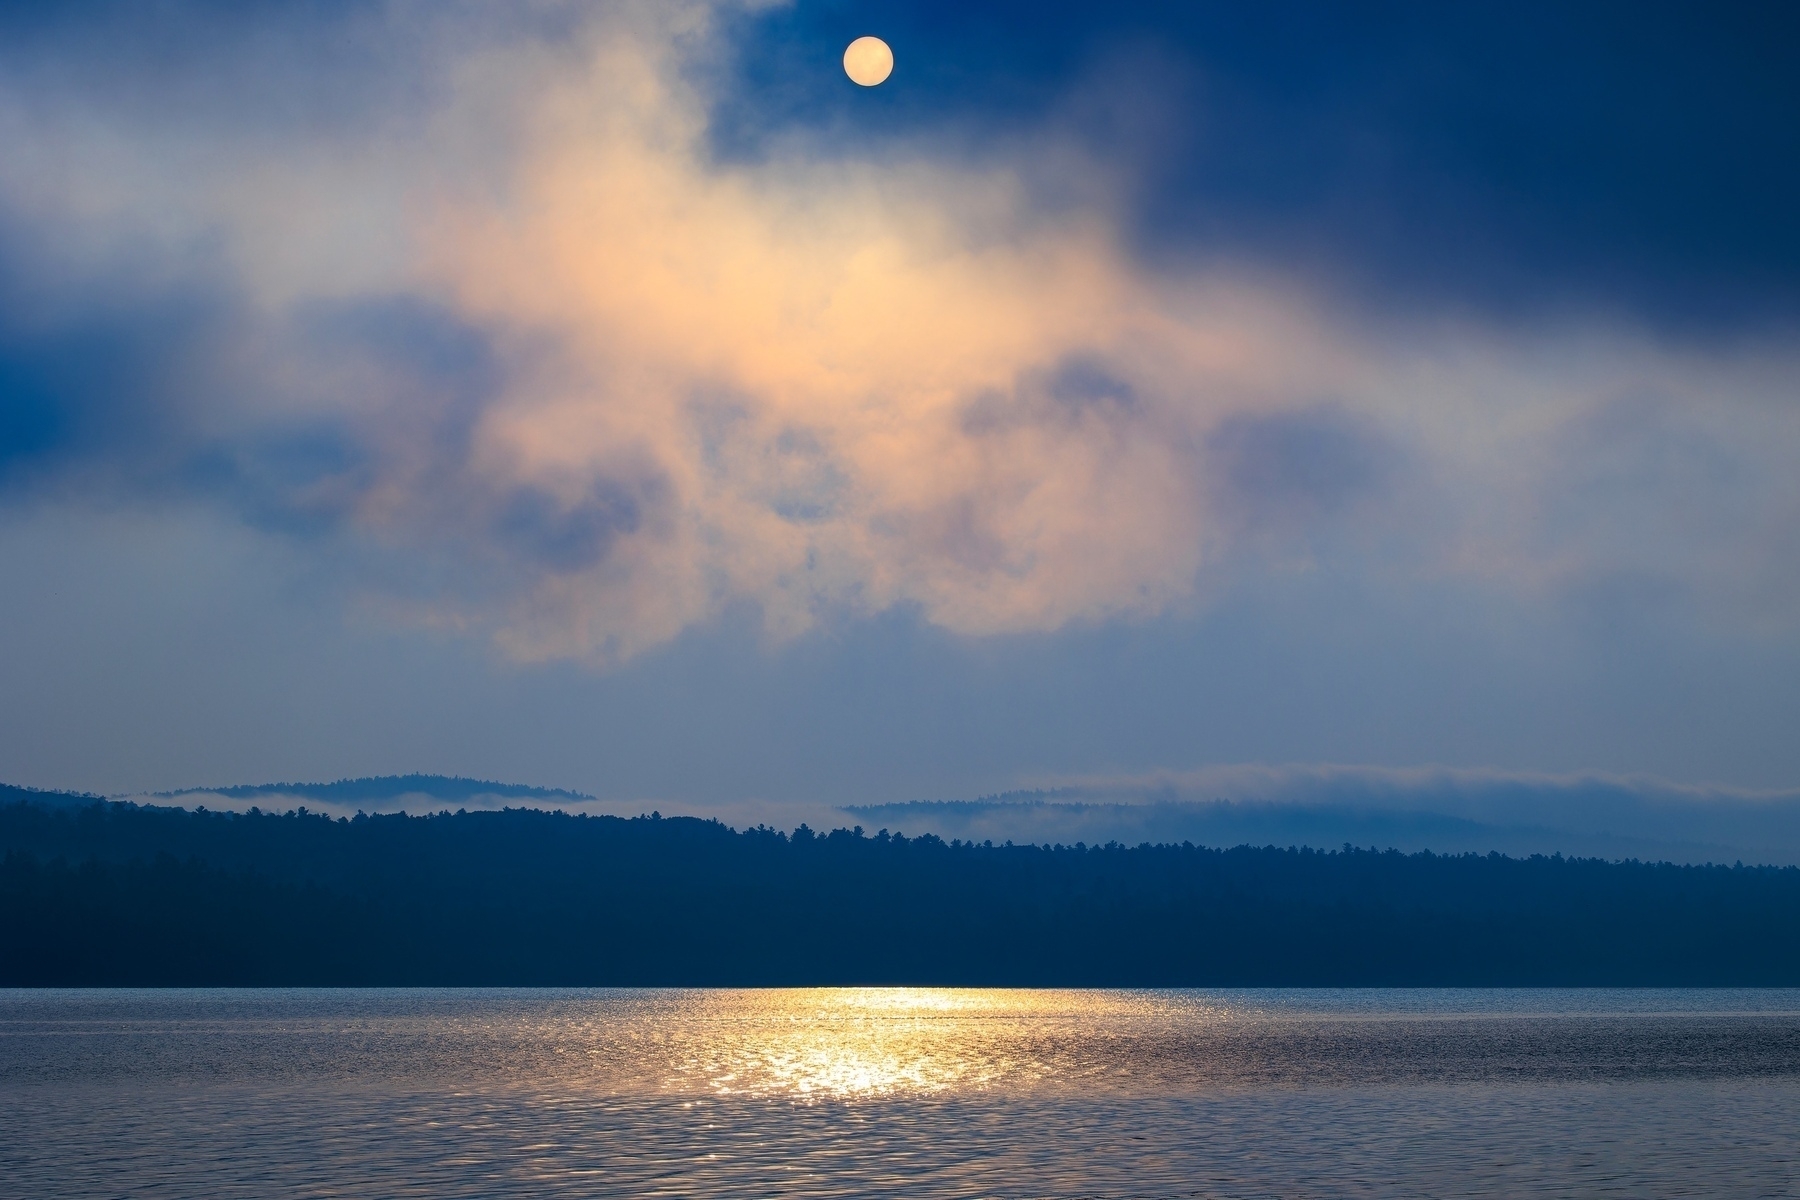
pixel 898 1092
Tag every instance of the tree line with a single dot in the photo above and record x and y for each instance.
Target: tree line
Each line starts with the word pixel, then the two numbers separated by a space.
pixel 114 894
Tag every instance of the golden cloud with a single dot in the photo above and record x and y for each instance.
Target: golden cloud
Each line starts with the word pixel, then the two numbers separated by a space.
pixel 828 383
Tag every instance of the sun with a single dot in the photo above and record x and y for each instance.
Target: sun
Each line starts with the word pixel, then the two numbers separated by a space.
pixel 868 61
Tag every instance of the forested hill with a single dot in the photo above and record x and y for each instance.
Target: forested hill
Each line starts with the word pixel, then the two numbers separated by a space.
pixel 118 894
pixel 13 794
pixel 378 788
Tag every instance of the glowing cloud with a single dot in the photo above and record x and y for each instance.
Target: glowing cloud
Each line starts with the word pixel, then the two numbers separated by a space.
pixel 818 385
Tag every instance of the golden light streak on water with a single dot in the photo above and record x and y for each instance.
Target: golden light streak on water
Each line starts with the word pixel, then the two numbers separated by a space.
pixel 844 1043
pixel 884 1093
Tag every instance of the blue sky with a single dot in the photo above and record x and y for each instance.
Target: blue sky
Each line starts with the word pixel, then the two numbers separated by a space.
pixel 616 397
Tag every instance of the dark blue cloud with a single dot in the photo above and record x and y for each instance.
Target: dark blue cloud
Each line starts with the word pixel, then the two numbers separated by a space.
pixel 568 537
pixel 31 419
pixel 1081 382
pixel 1300 465
pixel 106 380
pixel 298 480
pixel 306 474
pixel 1509 157
pixel 432 357
pixel 144 389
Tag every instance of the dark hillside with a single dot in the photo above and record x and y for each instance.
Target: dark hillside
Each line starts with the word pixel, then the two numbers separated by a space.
pixel 13 794
pixel 120 894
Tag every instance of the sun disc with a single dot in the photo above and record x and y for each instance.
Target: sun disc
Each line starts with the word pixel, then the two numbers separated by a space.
pixel 868 61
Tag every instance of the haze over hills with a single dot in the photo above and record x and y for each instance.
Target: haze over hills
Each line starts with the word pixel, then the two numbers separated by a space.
pixel 378 792
pixel 1441 810
pixel 1446 811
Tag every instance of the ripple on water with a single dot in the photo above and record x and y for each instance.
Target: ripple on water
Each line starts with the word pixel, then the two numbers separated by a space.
pixel 898 1091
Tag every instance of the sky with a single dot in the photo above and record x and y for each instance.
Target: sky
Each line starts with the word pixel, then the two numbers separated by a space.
pixel 617 397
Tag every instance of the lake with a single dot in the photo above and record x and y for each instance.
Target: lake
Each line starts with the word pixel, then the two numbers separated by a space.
pixel 890 1092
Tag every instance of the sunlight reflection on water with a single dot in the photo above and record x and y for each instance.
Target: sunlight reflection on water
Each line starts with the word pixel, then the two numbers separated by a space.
pixel 872 1042
pixel 891 1092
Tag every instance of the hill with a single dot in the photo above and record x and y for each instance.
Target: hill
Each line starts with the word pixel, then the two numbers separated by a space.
pixel 378 788
pixel 112 893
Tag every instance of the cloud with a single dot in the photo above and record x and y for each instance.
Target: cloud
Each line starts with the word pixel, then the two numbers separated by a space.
pixel 1420 156
pixel 523 356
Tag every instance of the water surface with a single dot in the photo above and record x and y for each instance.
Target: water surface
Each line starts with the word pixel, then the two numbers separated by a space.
pixel 913 1092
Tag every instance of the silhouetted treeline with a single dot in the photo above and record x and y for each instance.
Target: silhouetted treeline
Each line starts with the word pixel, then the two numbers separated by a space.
pixel 119 894
pixel 13 794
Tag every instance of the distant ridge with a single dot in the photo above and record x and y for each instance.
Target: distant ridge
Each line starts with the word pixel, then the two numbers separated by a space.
pixel 13 794
pixel 1588 815
pixel 384 787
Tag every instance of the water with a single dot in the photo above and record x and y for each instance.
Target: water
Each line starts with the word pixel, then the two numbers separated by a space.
pixel 898 1092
